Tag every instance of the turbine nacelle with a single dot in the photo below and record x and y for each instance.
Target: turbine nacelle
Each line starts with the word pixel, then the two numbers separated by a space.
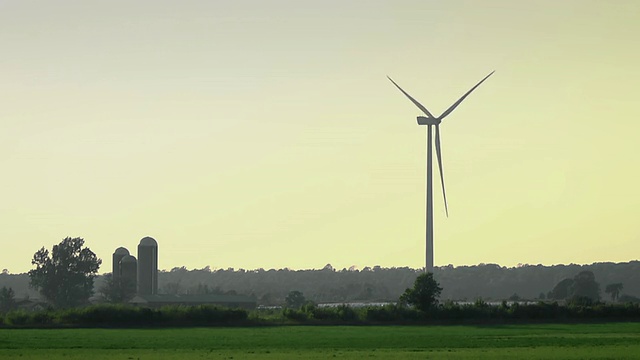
pixel 423 120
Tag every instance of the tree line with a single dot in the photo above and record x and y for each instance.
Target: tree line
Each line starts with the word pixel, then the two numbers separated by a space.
pixel 448 312
pixel 417 305
pixel 377 284
pixel 615 281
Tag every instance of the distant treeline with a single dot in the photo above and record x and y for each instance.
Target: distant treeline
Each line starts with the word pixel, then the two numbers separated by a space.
pixel 447 313
pixel 270 287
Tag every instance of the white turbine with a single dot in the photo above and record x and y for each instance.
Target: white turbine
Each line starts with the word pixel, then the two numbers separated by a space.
pixel 431 121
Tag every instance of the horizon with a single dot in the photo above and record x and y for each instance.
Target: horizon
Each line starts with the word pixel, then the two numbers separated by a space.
pixel 356 268
pixel 253 135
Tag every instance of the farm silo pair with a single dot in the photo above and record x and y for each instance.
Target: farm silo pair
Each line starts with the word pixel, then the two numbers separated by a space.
pixel 144 271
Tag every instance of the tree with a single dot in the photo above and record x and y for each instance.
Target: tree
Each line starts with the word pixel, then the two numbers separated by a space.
pixel 7 299
pixel 585 286
pixel 119 290
pixel 562 290
pixel 295 299
pixel 614 290
pixel 424 294
pixel 172 288
pixel 65 278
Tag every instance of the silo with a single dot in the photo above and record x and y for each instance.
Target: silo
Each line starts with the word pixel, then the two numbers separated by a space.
pixel 129 272
pixel 147 266
pixel 117 256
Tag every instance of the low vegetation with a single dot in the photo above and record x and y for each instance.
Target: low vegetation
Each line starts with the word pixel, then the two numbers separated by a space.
pixel 446 313
pixel 125 315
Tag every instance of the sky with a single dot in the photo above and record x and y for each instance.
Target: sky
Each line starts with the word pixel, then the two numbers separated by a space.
pixel 264 134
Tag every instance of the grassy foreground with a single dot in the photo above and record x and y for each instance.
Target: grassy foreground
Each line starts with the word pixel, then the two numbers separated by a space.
pixel 547 341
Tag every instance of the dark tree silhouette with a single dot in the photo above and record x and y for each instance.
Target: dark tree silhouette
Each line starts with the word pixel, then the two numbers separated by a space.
pixel 7 299
pixel 614 290
pixel 424 294
pixel 118 290
pixel 488 281
pixel 585 286
pixel 173 288
pixel 562 290
pixel 295 299
pixel 65 277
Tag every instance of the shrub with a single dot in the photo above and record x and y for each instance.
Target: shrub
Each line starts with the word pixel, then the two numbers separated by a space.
pixel 212 314
pixel 346 313
pixel 581 301
pixel 17 318
pixel 293 314
pixel 324 313
pixel 392 313
pixel 42 318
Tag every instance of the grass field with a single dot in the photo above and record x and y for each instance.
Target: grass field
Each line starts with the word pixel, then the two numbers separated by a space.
pixel 547 341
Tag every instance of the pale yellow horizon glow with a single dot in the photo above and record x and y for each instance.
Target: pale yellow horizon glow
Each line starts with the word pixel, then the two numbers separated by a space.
pixel 253 134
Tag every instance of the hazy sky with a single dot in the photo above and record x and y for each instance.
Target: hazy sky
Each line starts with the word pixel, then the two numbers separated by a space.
pixel 256 133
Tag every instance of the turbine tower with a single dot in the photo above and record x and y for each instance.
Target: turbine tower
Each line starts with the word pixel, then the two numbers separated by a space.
pixel 434 121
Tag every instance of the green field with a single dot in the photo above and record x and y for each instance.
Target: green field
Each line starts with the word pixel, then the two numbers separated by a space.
pixel 546 341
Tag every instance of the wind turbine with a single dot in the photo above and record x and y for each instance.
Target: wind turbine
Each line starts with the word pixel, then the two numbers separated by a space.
pixel 434 121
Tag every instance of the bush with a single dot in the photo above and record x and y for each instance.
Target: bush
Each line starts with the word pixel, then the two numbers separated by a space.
pixel 125 314
pixel 346 313
pixel 17 318
pixel 392 313
pixel 212 314
pixel 42 318
pixel 581 301
pixel 101 314
pixel 449 312
pixel 324 313
pixel 293 314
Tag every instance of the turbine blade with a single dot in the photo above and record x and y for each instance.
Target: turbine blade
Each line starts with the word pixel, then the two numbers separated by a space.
pixel 414 101
pixel 452 107
pixel 439 155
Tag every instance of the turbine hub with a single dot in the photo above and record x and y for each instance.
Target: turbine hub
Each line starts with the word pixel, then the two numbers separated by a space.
pixel 423 120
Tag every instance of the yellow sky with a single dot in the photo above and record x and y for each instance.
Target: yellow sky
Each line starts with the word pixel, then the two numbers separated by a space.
pixel 254 134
